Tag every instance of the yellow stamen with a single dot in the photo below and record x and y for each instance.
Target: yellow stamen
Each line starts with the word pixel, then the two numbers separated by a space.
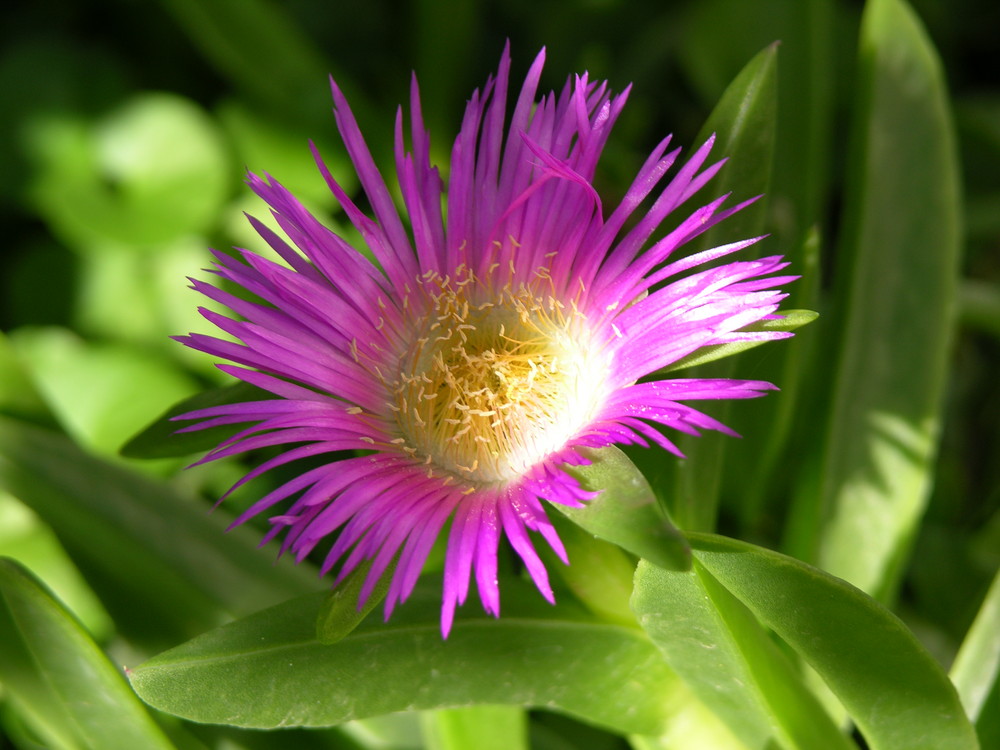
pixel 497 376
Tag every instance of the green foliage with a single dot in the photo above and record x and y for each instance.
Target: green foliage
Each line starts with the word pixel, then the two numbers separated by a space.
pixel 874 469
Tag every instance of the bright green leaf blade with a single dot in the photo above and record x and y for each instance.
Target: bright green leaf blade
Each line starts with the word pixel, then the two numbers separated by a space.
pixel 161 439
pixel 269 670
pixel 162 565
pixel 60 678
pixel 479 727
pixel 626 512
pixel 714 643
pixel 902 241
pixel 976 671
pixel 793 319
pixel 889 684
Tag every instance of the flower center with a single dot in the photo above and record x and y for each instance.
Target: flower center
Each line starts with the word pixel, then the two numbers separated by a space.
pixel 495 380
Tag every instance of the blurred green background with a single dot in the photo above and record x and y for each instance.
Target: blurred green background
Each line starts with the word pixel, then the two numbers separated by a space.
pixel 126 129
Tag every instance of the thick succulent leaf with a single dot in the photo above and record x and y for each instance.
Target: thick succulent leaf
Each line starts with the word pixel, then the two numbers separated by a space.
pixel 626 512
pixel 891 687
pixel 976 671
pixel 727 659
pixel 901 250
pixel 66 687
pixel 269 670
pixel 163 567
pixel 161 439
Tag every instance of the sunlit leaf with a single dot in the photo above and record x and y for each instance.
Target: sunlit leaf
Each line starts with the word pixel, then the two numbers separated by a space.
pixel 892 688
pixel 60 679
pixel 268 670
pixel 481 727
pixel 148 173
pixel 626 512
pixel 101 392
pixel 714 643
pixel 162 565
pixel 901 281
pixel 976 671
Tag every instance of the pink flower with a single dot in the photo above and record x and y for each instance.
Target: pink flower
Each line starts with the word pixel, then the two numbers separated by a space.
pixel 497 332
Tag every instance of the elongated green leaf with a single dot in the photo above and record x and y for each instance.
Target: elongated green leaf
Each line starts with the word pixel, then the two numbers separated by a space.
pixel 161 439
pixel 58 676
pixel 763 452
pixel 714 643
pixel 976 671
pixel 481 727
pixel 626 512
pixel 268 670
pixel 744 121
pixel 901 241
pixel 889 684
pixel 163 567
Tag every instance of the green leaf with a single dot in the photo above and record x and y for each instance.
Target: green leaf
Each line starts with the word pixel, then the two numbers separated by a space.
pixel 626 512
pixel 25 539
pixel 892 688
pixel 901 242
pixel 19 395
pixel 341 612
pixel 73 696
pixel 268 670
pixel 763 452
pixel 101 393
pixel 480 727
pixel 599 573
pixel 744 121
pixel 162 566
pixel 792 320
pixel 976 671
pixel 161 439
pixel 714 643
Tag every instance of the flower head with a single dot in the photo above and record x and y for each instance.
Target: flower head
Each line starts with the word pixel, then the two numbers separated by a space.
pixel 488 342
